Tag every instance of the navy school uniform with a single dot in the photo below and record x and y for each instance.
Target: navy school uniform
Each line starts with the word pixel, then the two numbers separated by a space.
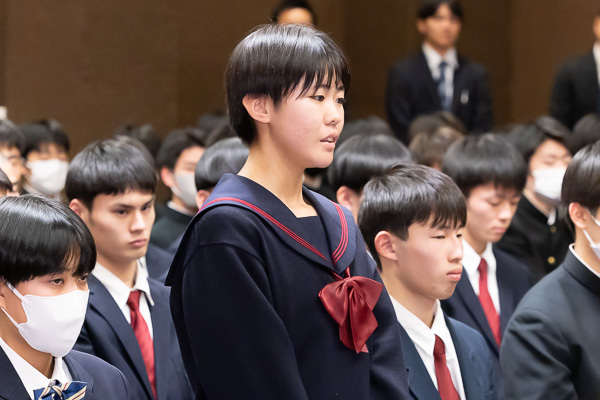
pixel 476 366
pixel 107 334
pixel 245 301
pixel 103 380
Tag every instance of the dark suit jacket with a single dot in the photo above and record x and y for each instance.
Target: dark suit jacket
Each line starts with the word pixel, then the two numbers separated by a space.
pixel 169 227
pixel 246 306
pixel 106 334
pixel 103 380
pixel 539 246
pixel 551 348
pixel 158 262
pixel 411 91
pixel 575 92
pixel 474 358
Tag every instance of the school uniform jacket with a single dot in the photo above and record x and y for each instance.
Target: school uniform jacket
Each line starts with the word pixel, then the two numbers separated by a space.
pixel 550 348
pixel 411 91
pixel 107 334
pixel 475 361
pixel 103 380
pixel 245 301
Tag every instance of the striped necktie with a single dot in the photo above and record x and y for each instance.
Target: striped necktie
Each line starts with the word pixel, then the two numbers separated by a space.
pixel 64 391
pixel 441 87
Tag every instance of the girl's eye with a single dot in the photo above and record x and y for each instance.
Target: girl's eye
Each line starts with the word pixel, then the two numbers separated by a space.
pixel 342 101
pixel 318 98
pixel 459 235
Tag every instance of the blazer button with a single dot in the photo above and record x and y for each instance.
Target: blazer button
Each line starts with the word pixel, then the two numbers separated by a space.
pixel 552 229
pixel 551 260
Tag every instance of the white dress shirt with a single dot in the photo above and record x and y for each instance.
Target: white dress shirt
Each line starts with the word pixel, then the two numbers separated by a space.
pixel 423 338
pixel 31 378
pixel 471 262
pixel 120 291
pixel 433 61
pixel 596 51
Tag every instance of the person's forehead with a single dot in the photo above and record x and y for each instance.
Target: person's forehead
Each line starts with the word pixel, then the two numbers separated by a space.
pixel 9 151
pixel 130 197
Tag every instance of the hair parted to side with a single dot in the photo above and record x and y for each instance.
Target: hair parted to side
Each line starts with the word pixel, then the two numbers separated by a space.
pixel 479 160
pixel 274 61
pixel 408 194
pixel 40 236
pixel 110 166
pixel 581 183
pixel 428 8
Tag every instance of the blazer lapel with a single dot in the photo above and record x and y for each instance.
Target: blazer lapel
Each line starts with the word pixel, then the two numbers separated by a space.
pixel 473 306
pixel 11 387
pixel 104 304
pixel 507 301
pixel 425 72
pixel 466 360
pixel 419 380
pixel 162 342
pixel 78 373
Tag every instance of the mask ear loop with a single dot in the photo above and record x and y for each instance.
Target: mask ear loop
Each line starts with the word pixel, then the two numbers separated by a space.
pixel 20 297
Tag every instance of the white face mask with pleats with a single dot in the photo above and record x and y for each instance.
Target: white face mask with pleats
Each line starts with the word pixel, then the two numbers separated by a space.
pixel 548 182
pixel 594 246
pixel 185 188
pixel 53 322
pixel 48 176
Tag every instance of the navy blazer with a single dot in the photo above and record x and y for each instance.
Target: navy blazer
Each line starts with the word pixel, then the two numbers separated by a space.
pixel 551 348
pixel 103 380
pixel 107 334
pixel 245 301
pixel 476 365
pixel 411 91
pixel 158 262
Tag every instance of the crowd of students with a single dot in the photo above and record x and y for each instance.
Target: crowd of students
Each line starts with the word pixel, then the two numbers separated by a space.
pixel 294 260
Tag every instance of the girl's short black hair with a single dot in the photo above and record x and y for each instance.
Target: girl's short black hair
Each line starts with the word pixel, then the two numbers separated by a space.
pixel 428 8
pixel 40 236
pixel 227 156
pixel 581 183
pixel 274 60
pixel 479 160
pixel 110 166
pixel 408 194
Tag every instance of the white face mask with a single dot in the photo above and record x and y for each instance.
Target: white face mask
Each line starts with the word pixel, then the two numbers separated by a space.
pixel 48 176
pixel 185 188
pixel 548 183
pixel 54 322
pixel 595 247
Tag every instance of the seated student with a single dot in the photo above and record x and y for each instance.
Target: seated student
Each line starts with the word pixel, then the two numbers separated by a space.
pixel 491 174
pixel 550 348
pixel 177 159
pixel 294 12
pixel 43 298
pixel 412 218
pixel 46 160
pixel 538 234
pixel 429 148
pixel 110 185
pixel 430 123
pixel 357 160
pixel 586 131
pixel 5 184
pixel 271 264
pixel 145 134
pixel 11 145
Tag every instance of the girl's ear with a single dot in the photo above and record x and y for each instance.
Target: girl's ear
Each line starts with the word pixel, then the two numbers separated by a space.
pixel 257 107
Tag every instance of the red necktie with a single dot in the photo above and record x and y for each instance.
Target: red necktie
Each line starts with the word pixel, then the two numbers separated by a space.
pixel 143 336
pixel 442 373
pixel 486 301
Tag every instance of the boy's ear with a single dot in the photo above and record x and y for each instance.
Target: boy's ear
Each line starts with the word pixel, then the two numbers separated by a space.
pixel 421 27
pixel 166 175
pixel 384 246
pixel 347 197
pixel 201 198
pixel 256 106
pixel 579 215
pixel 79 209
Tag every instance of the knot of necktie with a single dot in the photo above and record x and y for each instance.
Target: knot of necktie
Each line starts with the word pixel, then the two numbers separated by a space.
pixel 350 301
pixel 65 391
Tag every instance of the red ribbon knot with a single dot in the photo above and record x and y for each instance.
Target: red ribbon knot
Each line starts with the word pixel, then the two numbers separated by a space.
pixel 350 301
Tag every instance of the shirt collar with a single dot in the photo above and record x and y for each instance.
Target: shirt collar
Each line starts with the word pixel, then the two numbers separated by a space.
pixel 572 248
pixel 434 58
pixel 596 51
pixel 118 289
pixel 180 209
pixel 31 378
pixel 471 259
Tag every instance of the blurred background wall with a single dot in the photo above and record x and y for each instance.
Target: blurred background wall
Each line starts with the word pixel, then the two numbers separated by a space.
pixel 94 65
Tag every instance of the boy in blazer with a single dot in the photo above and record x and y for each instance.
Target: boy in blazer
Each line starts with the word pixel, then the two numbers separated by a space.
pixel 262 280
pixel 46 255
pixel 412 218
pixel 110 185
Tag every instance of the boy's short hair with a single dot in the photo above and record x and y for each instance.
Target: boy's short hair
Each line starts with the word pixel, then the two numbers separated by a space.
pixel 430 123
pixel 275 60
pixel 405 195
pixel 291 4
pixel 110 166
pixel 225 156
pixel 58 134
pixel 429 148
pixel 35 135
pixel 428 8
pixel 369 126
pixel 361 157
pixel 176 142
pixel 145 134
pixel 5 183
pixel 39 236
pixel 581 183
pixel 11 135
pixel 586 131
pixel 527 138
pixel 479 160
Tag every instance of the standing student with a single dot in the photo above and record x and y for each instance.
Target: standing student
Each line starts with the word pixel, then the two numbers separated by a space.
pixel 490 173
pixel 46 255
pixel 110 185
pixel 262 278
pixel 412 218
pixel 550 349
pixel 437 78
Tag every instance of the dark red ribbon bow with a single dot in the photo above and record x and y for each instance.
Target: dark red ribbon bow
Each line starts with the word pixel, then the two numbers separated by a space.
pixel 350 301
